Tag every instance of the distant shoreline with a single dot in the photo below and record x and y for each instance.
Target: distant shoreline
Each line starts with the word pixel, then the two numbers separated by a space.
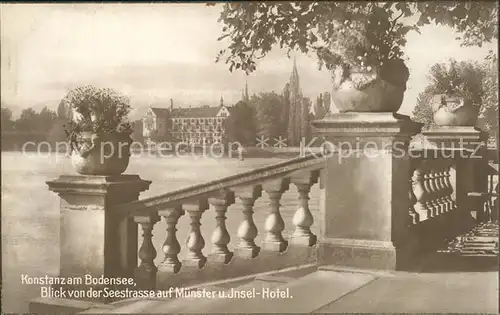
pixel 251 152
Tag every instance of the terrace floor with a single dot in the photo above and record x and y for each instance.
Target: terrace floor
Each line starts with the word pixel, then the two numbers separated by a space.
pixel 460 278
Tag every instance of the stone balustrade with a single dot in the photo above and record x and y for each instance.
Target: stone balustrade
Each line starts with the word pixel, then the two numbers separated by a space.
pixel 244 189
pixel 432 189
pixel 378 208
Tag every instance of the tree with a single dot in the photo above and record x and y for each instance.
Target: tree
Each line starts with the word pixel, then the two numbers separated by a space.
pixel 327 101
pixel 423 112
pixel 253 28
pixel 7 122
pixel 488 114
pixel 137 133
pixel 305 126
pixel 270 122
pixel 241 125
pixel 46 120
pixel 64 112
pixel 28 121
pixel 320 108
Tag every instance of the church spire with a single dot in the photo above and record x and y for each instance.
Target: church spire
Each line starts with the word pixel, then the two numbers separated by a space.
pixel 221 101
pixel 294 78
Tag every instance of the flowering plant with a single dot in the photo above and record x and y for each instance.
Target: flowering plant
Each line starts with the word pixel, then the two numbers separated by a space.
pixel 364 39
pixel 98 111
pixel 463 80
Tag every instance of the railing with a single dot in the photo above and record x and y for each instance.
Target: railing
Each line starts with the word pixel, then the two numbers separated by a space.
pixel 442 194
pixel 432 190
pixel 302 172
pixel 374 212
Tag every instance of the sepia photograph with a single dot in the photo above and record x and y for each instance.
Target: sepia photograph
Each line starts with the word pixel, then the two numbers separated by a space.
pixel 249 157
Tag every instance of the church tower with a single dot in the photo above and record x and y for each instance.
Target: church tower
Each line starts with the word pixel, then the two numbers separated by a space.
pixel 295 107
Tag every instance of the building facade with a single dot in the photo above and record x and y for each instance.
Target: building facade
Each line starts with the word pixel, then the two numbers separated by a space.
pixel 155 124
pixel 193 125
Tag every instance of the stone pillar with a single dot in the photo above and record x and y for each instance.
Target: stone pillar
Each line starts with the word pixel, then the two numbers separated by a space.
pixel 95 240
pixel 468 145
pixel 364 214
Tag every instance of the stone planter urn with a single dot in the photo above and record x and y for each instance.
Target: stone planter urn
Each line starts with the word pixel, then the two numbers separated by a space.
pixel 371 91
pixel 453 111
pixel 106 154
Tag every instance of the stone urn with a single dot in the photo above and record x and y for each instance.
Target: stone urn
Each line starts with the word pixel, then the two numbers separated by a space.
pixel 376 91
pixel 453 111
pixel 106 154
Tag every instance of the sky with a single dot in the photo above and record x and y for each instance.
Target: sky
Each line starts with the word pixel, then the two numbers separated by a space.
pixel 154 52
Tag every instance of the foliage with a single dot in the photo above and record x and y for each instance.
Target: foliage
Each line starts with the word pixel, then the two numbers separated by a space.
pixel 423 112
pixel 305 126
pixel 7 123
pixel 322 105
pixel 351 35
pixel 488 114
pixel 462 79
pixel 478 80
pixel 269 115
pixel 241 124
pixel 98 110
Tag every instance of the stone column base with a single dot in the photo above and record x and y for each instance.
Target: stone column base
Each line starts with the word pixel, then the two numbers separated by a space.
pixel 359 254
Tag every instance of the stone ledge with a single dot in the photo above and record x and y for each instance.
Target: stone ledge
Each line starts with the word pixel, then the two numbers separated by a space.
pixel 97 185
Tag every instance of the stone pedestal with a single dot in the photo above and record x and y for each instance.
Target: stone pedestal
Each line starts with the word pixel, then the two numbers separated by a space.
pixel 468 146
pixel 94 239
pixel 364 211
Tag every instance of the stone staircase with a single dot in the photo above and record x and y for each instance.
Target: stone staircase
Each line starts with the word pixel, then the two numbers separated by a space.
pixel 482 240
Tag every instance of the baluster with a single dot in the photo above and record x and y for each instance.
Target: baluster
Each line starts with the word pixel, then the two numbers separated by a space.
pixel 420 192
pixel 275 225
pixel 444 188
pixel 247 231
pixel 438 176
pixel 171 247
pixel 428 191
pixel 413 214
pixel 220 236
pixel 145 274
pixel 449 186
pixel 303 218
pixel 434 189
pixel 195 242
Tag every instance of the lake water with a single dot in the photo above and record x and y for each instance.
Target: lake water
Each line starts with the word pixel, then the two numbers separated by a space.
pixel 30 212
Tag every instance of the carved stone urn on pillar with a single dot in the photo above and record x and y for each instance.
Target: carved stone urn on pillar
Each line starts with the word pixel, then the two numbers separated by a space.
pixel 98 130
pixel 458 90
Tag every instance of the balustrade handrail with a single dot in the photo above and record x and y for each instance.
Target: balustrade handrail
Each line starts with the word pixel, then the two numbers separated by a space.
pixel 309 161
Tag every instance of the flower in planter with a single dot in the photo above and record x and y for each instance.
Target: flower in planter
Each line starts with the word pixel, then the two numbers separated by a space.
pixel 98 110
pixel 99 132
pixel 458 83
pixel 458 92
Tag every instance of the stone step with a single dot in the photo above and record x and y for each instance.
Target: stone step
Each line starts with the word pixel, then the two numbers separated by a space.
pixel 478 246
pixel 318 289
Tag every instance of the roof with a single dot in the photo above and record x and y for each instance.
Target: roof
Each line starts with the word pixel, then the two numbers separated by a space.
pixel 197 112
pixel 161 112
